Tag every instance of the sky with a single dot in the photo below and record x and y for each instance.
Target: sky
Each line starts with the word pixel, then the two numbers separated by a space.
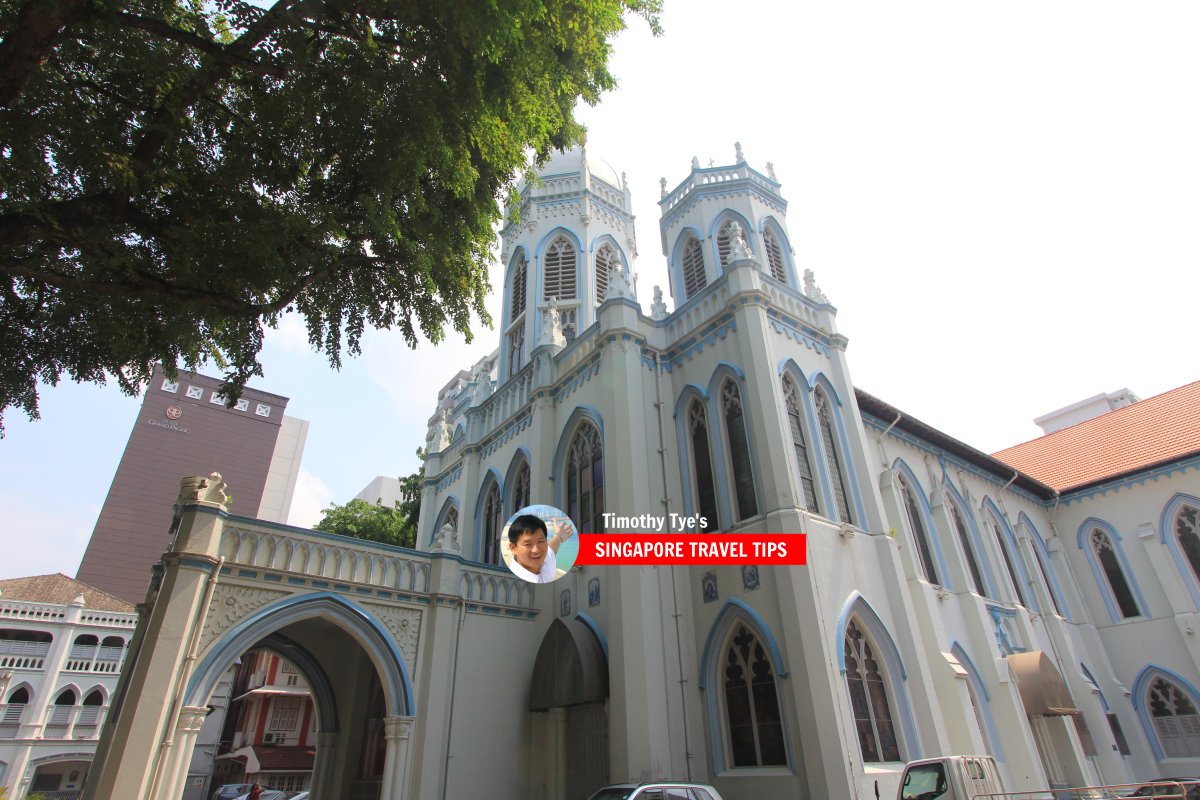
pixel 1001 199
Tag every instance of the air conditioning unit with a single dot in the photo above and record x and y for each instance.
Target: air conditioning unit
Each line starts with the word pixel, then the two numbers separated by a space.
pixel 268 738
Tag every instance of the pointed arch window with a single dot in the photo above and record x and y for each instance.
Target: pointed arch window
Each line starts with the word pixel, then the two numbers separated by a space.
pixel 1037 556
pixel 1009 564
pixel 606 259
pixel 1187 533
pixel 89 715
pixel 1114 575
pixel 558 273
pixel 739 450
pixel 725 241
pixel 585 480
pixel 1176 722
pixel 791 399
pixel 869 699
pixel 774 255
pixel 916 524
pixel 964 541
pixel 521 487
pixel 489 550
pixel 14 710
pixel 519 285
pixel 60 714
pixel 692 267
pixel 516 349
pixel 706 493
pixel 751 703
pixel 829 443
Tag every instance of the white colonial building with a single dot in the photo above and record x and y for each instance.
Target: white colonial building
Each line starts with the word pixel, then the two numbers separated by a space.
pixel 1041 606
pixel 62 644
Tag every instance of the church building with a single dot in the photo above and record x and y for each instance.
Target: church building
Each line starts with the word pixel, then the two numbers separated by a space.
pixel 1040 605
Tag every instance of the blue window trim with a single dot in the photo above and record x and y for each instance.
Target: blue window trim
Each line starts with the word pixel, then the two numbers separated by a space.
pixel 850 475
pixel 926 511
pixel 732 612
pixel 885 647
pixel 1043 553
pixel 1141 687
pixel 451 501
pixel 814 445
pixel 581 413
pixel 1008 540
pixel 489 475
pixel 719 444
pixel 521 456
pixel 692 391
pixel 1167 537
pixel 714 227
pixel 789 263
pixel 1087 674
pixel 968 518
pixel 1110 601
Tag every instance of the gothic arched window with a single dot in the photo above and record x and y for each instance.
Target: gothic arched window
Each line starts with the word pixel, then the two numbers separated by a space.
pixel 869 699
pixel 14 710
pixel 791 399
pixel 558 270
pixel 829 442
pixel 916 524
pixel 739 451
pixel 1175 720
pixel 692 267
pixel 1037 556
pixel 519 282
pixel 516 349
pixel 706 493
pixel 774 255
pixel 751 703
pixel 606 259
pixel 964 541
pixel 585 480
pixel 1008 557
pixel 1187 532
pixel 489 550
pixel 520 496
pixel 1114 575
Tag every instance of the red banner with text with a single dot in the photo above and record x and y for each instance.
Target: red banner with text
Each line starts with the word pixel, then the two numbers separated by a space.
pixel 669 549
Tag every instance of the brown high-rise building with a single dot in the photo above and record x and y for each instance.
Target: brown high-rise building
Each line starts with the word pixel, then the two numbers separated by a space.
pixel 185 429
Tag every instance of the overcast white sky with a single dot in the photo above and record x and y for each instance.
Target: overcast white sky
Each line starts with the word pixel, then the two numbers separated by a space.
pixel 1002 200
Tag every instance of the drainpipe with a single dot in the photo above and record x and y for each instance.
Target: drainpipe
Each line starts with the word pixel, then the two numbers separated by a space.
pixel 188 665
pixel 666 502
pixel 879 438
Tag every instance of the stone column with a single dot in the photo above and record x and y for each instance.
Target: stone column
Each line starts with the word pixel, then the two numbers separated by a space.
pixel 191 720
pixel 327 746
pixel 396 732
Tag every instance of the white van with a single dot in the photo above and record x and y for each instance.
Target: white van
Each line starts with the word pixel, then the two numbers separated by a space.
pixel 950 778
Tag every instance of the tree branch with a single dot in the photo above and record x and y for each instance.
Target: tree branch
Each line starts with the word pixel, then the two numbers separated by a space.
pixel 215 50
pixel 24 47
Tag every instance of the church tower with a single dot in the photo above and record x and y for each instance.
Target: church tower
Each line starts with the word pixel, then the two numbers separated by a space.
pixel 575 227
pixel 699 221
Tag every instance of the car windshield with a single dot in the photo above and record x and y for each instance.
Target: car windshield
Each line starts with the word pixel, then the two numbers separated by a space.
pixel 924 782
pixel 614 793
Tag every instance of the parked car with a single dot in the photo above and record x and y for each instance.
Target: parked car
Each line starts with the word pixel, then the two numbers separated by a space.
pixel 1169 787
pixel 231 790
pixel 659 790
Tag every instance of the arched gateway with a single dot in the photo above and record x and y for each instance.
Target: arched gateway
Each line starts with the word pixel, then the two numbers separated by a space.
pixel 361 621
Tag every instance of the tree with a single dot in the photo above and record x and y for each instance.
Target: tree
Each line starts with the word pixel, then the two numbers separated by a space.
pixel 379 523
pixel 362 520
pixel 176 174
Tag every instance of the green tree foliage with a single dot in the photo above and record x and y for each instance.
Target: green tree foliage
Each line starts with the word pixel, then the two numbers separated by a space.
pixel 362 520
pixel 176 174
pixel 379 523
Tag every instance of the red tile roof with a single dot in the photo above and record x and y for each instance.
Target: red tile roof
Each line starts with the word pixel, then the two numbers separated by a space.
pixel 60 589
pixel 1154 431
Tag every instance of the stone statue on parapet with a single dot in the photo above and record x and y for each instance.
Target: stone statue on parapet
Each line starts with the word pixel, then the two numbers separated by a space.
pixel 552 332
pixel 738 249
pixel 618 284
pixel 811 290
pixel 658 309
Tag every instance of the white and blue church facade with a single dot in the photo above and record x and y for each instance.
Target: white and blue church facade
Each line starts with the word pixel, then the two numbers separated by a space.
pixel 951 603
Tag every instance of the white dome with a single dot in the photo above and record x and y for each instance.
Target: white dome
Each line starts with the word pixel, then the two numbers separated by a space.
pixel 571 162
